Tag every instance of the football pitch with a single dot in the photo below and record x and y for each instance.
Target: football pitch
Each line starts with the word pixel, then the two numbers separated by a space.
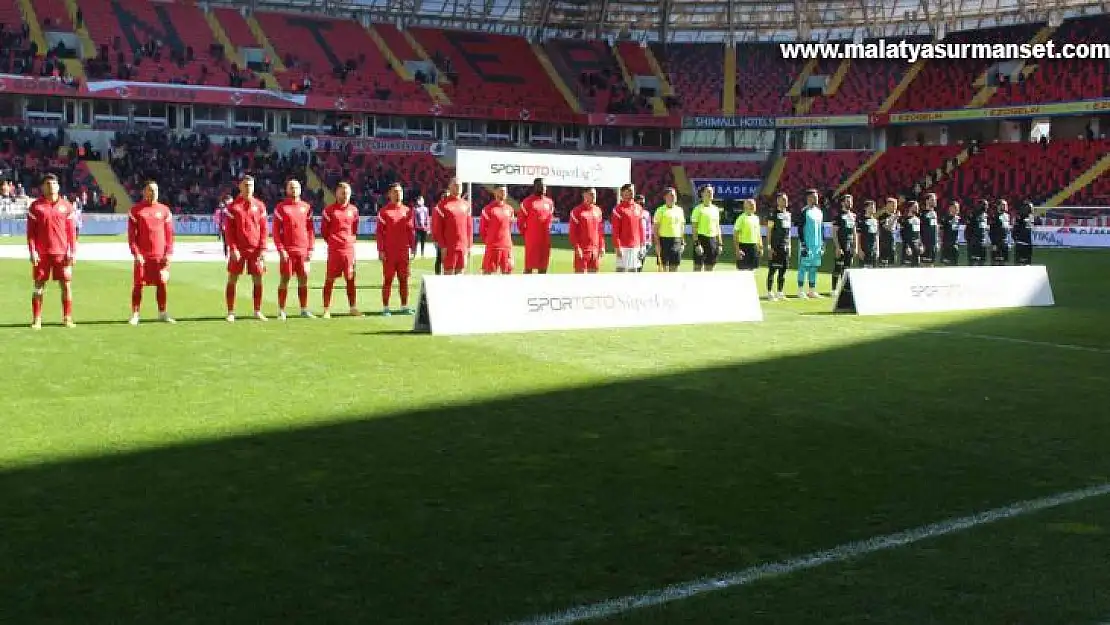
pixel 348 471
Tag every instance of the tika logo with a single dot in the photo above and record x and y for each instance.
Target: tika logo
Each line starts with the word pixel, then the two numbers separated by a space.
pixel 600 302
pixel 1047 239
pixel 950 291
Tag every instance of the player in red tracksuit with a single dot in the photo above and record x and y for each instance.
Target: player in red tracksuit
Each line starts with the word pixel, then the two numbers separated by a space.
pixel 52 243
pixel 340 229
pixel 534 223
pixel 294 238
pixel 150 237
pixel 628 230
pixel 395 232
pixel 495 229
pixel 246 243
pixel 587 233
pixel 453 229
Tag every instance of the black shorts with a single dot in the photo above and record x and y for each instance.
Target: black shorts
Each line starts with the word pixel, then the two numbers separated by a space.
pixel 844 261
pixel 749 256
pixel 670 251
pixel 779 258
pixel 929 253
pixel 911 254
pixel 976 254
pixel 421 236
pixel 1023 254
pixel 950 255
pixel 1001 255
pixel 871 257
pixel 710 250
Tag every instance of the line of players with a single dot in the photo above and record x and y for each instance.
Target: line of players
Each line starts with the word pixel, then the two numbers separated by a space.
pixel 868 238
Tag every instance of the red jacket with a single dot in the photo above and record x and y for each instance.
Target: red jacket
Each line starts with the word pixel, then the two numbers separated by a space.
pixel 628 226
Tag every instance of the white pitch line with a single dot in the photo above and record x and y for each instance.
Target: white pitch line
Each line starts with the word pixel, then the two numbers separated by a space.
pixel 1012 339
pixel 849 551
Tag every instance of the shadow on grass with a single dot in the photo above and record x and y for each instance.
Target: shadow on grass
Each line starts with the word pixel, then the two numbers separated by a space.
pixel 507 507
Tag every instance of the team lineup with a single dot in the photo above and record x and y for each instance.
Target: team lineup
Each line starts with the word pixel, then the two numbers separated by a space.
pixel 867 239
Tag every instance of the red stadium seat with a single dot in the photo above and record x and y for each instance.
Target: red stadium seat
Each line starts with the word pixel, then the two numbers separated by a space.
pixel 695 72
pixel 821 170
pixel 899 168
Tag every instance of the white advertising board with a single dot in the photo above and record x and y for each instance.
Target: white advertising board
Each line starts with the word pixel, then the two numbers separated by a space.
pixel 558 170
pixel 471 304
pixel 938 289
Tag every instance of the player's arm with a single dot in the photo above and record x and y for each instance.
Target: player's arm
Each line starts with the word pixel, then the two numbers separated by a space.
pixel 483 226
pixel 410 231
pixel 263 226
pixel 601 237
pixel 615 230
pixel 168 225
pixel 279 233
pixel 522 220
pixel 572 233
pixel 836 240
pixel 32 237
pixel 656 219
pixel 310 226
pixel 71 238
pixel 133 238
pixel 469 231
pixel 437 227
pixel 380 237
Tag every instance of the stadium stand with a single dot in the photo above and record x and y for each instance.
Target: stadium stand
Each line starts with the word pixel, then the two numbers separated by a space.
pixel 864 87
pixel 53 15
pixel 947 84
pixel 763 80
pixel 1020 171
pixel 490 71
pixel 900 167
pixel 591 70
pixel 695 72
pixel 26 156
pixel 1060 80
pixel 824 170
pixel 371 175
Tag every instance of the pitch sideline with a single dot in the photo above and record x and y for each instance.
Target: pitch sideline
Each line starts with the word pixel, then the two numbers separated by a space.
pixel 842 553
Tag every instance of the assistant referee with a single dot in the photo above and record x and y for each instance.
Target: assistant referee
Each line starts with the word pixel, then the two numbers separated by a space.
pixel 670 232
pixel 705 221
pixel 747 238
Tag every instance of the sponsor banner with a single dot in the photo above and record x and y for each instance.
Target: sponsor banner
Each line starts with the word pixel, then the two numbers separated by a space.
pixel 472 304
pixel 559 170
pixel 366 145
pixel 637 121
pixel 728 122
pixel 729 189
pixel 1002 112
pixel 920 290
pixel 1068 236
pixel 188 94
pixel 824 121
pixel 30 85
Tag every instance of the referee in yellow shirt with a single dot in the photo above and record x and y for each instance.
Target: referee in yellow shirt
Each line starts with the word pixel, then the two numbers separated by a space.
pixel 747 238
pixel 670 232
pixel 706 224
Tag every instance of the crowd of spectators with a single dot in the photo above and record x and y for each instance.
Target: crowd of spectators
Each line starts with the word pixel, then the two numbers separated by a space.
pixel 171 65
pixel 194 174
pixel 20 55
pixel 26 156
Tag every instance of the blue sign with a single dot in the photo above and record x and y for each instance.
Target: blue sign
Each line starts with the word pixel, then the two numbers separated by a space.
pixel 728 122
pixel 730 189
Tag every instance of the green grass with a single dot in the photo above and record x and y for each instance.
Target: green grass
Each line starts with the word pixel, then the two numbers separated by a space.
pixel 346 471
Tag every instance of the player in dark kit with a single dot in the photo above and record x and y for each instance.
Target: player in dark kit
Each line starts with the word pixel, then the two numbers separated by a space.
pixel 868 229
pixel 950 235
pixel 845 238
pixel 778 247
pixel 888 221
pixel 1023 235
pixel 930 230
pixel 977 234
pixel 912 245
pixel 1000 234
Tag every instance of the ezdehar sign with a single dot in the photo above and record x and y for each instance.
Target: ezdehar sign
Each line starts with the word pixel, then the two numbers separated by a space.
pixel 558 170
pixel 471 304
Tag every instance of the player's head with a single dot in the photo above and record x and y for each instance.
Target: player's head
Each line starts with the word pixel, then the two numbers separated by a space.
pixel 150 191
pixel 811 197
pixel 51 188
pixel 953 208
pixel 912 207
pixel 982 206
pixel 628 191
pixel 539 186
pixel 396 193
pixel 453 187
pixel 589 196
pixel 293 189
pixel 420 200
pixel 749 206
pixel 705 193
pixel 343 193
pixel 641 200
pixel 1026 208
pixel 669 196
pixel 6 187
pixel 782 200
pixel 930 200
pixel 1002 206
pixel 891 206
pixel 869 207
pixel 847 202
pixel 500 192
pixel 246 187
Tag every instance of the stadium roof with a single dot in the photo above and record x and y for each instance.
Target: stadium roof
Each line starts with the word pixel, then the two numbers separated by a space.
pixel 698 20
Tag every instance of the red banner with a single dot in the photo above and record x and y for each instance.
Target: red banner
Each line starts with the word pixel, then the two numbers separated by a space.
pixel 371 145
pixel 30 85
